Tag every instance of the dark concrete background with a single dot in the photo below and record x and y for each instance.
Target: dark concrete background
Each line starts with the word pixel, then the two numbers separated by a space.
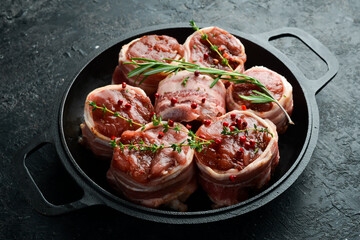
pixel 42 43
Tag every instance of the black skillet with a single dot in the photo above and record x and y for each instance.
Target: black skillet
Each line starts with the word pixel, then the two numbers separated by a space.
pixel 296 145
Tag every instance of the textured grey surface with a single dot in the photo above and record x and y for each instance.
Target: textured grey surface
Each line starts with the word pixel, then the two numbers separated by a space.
pixel 43 41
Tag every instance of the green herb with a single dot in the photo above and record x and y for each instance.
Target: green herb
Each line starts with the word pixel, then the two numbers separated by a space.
pixel 233 76
pixel 213 47
pixel 184 81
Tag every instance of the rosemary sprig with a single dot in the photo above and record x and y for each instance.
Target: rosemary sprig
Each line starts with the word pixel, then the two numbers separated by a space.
pixel 234 76
pixel 213 47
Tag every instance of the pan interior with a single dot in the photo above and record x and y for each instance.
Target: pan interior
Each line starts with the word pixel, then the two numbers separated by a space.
pixel 99 72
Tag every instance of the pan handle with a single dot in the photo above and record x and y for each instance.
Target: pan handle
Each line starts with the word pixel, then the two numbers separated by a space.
pixel 32 191
pixel 314 45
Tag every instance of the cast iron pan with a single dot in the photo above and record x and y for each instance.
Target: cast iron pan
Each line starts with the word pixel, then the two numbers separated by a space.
pixel 296 145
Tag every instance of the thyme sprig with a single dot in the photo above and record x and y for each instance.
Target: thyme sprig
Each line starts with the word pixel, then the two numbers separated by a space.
pixel 213 47
pixel 227 131
pixel 193 141
pixel 104 109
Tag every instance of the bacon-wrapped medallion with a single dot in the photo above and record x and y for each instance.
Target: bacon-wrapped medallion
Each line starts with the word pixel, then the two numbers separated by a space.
pixel 199 51
pixel 239 160
pixel 187 96
pixel 153 47
pixel 276 84
pixel 98 126
pixel 156 178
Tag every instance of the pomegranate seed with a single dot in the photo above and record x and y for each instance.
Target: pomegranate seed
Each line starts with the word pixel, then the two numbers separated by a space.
pixel 156 95
pixel 218 141
pixel 242 139
pixel 233 124
pixel 243 107
pixel 152 114
pixel 123 85
pixel 203 100
pixel 197 73
pixel 206 56
pixel 238 121
pixel 171 123
pixel 247 145
pixel 161 135
pixel 244 124
pixel 232 128
pixel 120 102
pixel 113 138
pixel 188 126
pixel 128 106
pixel 173 101
pixel 194 105
pixel 233 115
pixel 242 150
pixel 225 124
pixel 207 122
pixel 232 178
pixel 252 143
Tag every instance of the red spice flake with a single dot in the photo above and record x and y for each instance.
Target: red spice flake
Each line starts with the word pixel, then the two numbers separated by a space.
pixel 243 107
pixel 150 49
pixel 123 84
pixel 247 145
pixel 232 178
pixel 152 114
pixel 218 141
pixel 194 105
pixel 227 84
pixel 188 126
pixel 207 122
pixel 215 61
pixel 233 124
pixel 221 48
pixel 120 102
pixel 128 106
pixel 113 138
pixel 233 116
pixel 171 123
pixel 225 55
pixel 206 56
pixel 202 136
pixel 173 101
pixel 197 73
pixel 242 139
pixel 156 95
pixel 203 100
pixel 225 124
pixel 161 135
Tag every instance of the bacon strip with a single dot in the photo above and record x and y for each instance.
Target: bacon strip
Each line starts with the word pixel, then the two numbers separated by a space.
pixel 198 51
pixel 275 83
pixel 229 170
pixel 151 47
pixel 98 127
pixel 210 102
pixel 165 177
